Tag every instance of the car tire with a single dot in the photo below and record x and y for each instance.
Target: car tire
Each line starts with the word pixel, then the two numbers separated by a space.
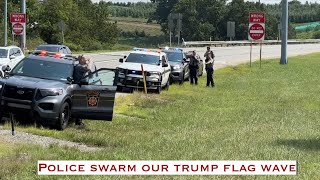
pixel 182 79
pixel 64 116
pixel 167 85
pixel 119 88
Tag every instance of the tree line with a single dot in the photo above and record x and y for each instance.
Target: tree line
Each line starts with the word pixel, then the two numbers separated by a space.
pixel 86 23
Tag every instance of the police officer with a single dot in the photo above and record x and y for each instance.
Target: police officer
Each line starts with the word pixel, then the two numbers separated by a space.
pixel 194 67
pixel 81 70
pixel 209 68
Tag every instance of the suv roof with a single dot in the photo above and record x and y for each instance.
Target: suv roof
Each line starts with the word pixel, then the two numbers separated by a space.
pixel 53 45
pixel 8 47
pixel 52 59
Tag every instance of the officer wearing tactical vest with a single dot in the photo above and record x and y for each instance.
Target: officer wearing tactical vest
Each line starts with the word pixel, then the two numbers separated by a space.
pixel 194 68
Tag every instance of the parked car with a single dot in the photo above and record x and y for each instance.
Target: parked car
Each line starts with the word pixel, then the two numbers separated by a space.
pixel 10 56
pixel 201 67
pixel 41 88
pixel 54 48
pixel 178 62
pixel 156 67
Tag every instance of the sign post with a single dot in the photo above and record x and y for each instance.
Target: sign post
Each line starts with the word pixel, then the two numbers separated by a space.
pixel 257 29
pixel 231 30
pixel 171 25
pixel 18 21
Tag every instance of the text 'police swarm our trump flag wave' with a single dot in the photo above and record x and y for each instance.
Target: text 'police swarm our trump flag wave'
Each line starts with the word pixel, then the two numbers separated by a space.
pixel 167 167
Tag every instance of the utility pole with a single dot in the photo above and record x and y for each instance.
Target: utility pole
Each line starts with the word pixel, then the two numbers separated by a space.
pixel 284 38
pixel 5 22
pixel 23 36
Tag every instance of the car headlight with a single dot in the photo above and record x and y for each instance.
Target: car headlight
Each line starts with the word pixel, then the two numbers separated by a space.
pixel 177 67
pixel 1 86
pixel 51 92
pixel 153 74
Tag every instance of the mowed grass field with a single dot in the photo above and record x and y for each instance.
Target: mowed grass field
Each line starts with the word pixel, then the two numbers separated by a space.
pixel 252 114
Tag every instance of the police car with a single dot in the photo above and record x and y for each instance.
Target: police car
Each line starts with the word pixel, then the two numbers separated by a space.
pixel 41 88
pixel 179 64
pixel 156 69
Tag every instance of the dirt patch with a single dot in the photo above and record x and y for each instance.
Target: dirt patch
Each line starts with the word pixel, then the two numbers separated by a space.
pixel 27 138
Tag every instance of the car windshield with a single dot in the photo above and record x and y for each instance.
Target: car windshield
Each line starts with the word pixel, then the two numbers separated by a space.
pixel 174 56
pixel 43 69
pixel 143 59
pixel 3 53
pixel 48 48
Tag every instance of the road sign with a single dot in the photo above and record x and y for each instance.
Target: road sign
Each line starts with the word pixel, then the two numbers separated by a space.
pixel 231 29
pixel 256 26
pixel 17 28
pixel 18 17
pixel 256 32
pixel 257 17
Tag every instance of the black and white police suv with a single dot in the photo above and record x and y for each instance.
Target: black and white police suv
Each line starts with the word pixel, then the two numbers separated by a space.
pixel 156 70
pixel 41 87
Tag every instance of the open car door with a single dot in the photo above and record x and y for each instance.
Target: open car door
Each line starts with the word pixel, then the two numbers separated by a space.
pixel 94 99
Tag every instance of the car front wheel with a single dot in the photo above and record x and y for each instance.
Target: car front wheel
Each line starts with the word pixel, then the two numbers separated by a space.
pixel 64 116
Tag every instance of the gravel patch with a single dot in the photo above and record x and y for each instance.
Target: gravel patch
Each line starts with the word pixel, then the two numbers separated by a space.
pixel 27 138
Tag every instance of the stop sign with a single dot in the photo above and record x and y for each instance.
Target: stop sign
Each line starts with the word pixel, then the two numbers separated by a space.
pixel 256 31
pixel 17 28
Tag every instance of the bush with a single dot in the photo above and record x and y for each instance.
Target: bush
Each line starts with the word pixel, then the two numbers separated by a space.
pixel 92 45
pixel 74 47
pixel 316 35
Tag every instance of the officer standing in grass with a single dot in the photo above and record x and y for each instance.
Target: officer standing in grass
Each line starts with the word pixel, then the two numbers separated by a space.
pixel 209 68
pixel 194 68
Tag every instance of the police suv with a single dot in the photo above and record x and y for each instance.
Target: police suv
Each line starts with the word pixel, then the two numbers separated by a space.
pixel 155 66
pixel 41 88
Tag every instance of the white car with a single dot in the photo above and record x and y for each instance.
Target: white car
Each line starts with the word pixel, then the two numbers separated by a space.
pixel 155 65
pixel 10 56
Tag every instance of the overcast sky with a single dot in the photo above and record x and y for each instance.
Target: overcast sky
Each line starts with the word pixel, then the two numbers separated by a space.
pixel 264 1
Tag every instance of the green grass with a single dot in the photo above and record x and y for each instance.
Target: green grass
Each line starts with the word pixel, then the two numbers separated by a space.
pixel 252 114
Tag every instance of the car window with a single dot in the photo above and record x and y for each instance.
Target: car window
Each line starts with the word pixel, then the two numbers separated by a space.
pixel 3 53
pixel 44 69
pixel 102 77
pixel 174 56
pixel 143 58
pixel 12 52
pixel 17 52
pixel 48 48
pixel 68 50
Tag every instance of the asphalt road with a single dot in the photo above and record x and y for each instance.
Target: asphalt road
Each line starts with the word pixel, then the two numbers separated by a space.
pixel 225 56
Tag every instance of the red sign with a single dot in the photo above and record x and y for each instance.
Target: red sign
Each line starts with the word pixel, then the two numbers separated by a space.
pixel 257 17
pixel 256 31
pixel 17 28
pixel 18 17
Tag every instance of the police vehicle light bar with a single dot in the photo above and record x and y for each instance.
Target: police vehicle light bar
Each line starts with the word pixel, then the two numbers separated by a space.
pixel 146 50
pixel 172 49
pixel 53 54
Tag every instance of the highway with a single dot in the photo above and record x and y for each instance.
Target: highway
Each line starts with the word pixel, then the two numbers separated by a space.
pixel 225 56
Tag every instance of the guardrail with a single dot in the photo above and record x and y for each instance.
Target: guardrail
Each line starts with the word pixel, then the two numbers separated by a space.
pixel 245 43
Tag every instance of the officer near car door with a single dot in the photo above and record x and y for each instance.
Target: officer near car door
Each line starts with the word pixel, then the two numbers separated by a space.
pixel 81 70
pixel 194 68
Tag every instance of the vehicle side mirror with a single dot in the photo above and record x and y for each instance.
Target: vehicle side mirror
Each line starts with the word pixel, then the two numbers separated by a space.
pixel 6 68
pixel 124 57
pixel 121 60
pixel 165 65
pixel 12 57
pixel 70 79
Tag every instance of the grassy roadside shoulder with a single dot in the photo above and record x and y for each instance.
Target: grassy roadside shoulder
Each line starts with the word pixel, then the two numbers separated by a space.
pixel 253 114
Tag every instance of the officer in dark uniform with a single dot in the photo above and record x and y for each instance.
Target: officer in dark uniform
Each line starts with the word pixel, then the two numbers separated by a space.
pixel 80 71
pixel 194 68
